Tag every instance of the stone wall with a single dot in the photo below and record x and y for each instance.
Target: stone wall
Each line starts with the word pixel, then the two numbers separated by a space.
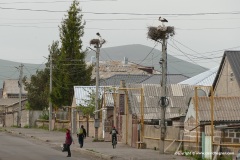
pixel 227 136
pixel 231 136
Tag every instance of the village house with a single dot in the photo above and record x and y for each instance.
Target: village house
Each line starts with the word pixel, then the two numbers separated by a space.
pixel 225 106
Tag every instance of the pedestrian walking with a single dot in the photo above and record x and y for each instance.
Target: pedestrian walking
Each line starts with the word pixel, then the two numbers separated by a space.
pixel 81 135
pixel 68 142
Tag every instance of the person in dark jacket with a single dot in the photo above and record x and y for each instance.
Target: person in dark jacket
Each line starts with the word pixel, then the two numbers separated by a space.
pixel 81 135
pixel 68 142
pixel 114 133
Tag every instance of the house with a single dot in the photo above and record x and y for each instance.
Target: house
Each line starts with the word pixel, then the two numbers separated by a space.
pixel 226 125
pixel 228 75
pixel 226 99
pixel 11 89
pixel 82 94
pixel 9 108
pixel 147 56
pixel 111 68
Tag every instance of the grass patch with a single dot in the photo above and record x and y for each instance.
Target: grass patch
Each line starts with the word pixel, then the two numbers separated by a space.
pixel 92 150
pixel 98 140
pixel 60 130
pixel 43 127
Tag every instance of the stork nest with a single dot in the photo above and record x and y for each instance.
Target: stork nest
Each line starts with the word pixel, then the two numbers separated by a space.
pixel 95 42
pixel 159 33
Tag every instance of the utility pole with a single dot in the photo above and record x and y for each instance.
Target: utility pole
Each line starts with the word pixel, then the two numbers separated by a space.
pixel 20 95
pixel 97 93
pixel 163 102
pixel 97 44
pixel 50 92
pixel 161 34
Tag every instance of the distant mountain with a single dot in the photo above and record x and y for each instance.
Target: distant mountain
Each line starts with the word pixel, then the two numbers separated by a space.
pixel 135 53
pixel 148 56
pixel 8 70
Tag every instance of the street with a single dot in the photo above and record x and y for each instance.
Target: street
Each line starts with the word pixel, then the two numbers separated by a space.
pixel 12 147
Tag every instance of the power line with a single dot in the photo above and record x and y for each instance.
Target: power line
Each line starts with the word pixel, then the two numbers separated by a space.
pixel 128 13
pixel 53 2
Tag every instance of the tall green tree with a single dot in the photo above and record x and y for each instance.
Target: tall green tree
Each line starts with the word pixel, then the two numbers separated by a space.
pixel 70 67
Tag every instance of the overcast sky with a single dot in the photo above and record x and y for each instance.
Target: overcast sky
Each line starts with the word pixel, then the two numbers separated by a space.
pixel 204 28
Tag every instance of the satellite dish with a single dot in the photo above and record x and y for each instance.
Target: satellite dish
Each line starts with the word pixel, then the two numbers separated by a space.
pixel 200 93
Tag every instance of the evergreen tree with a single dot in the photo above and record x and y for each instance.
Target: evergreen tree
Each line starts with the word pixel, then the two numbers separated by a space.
pixel 70 68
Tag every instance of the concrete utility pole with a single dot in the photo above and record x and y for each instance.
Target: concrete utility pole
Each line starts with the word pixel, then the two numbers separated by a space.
pixel 98 44
pixel 97 94
pixel 50 91
pixel 20 95
pixel 163 102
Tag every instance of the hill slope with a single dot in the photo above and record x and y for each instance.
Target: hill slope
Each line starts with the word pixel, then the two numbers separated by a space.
pixel 8 70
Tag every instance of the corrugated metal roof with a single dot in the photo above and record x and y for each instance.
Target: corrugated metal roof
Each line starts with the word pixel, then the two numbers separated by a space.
pixel 204 79
pixel 141 78
pixel 82 93
pixel 225 108
pixel 152 93
pixel 128 78
pixel 171 79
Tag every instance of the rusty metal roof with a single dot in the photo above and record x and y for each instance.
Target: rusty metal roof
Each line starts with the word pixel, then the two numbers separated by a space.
pixel 225 108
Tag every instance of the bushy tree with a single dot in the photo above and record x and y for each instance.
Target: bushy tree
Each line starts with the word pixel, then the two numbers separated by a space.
pixel 38 91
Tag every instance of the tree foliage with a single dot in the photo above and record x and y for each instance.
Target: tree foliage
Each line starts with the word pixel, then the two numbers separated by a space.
pixel 70 66
pixel 89 105
pixel 38 92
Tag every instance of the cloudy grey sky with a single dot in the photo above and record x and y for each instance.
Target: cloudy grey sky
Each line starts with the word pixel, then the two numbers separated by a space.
pixel 204 28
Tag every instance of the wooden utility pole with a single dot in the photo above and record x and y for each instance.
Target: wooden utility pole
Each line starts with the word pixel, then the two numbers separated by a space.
pixel 163 101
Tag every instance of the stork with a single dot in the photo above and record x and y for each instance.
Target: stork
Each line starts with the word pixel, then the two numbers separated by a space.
pixel 100 38
pixel 162 19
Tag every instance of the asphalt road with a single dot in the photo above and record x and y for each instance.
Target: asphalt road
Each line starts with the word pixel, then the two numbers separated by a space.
pixel 21 148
